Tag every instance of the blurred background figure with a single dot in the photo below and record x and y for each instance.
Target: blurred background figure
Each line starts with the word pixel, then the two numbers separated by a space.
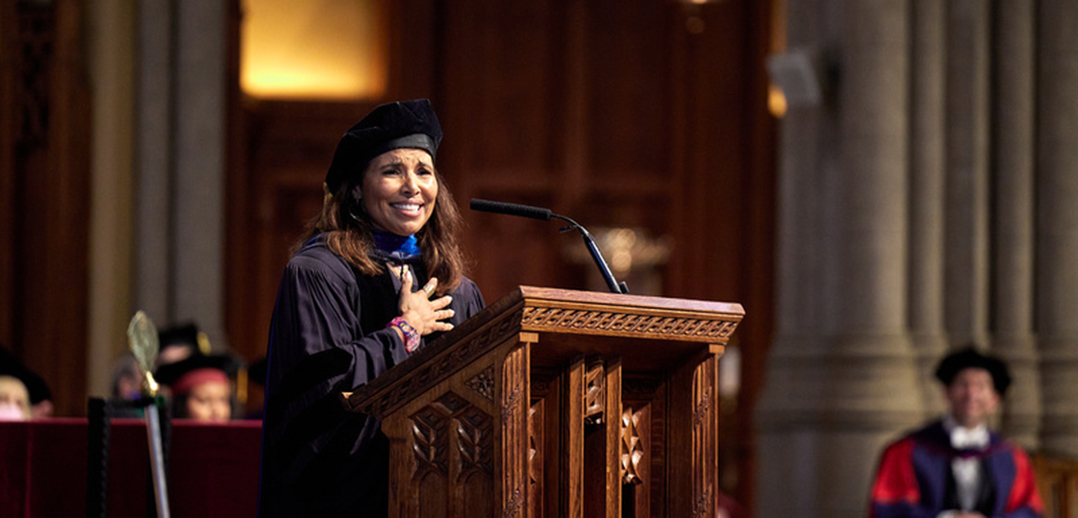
pixel 956 466
pixel 39 394
pixel 126 378
pixel 180 342
pixel 200 387
pixel 14 399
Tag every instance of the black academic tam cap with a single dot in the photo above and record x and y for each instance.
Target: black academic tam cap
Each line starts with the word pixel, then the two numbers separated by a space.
pixel 403 124
pixel 35 385
pixel 170 373
pixel 184 334
pixel 966 358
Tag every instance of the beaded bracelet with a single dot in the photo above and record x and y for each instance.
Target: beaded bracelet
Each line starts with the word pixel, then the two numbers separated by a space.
pixel 411 336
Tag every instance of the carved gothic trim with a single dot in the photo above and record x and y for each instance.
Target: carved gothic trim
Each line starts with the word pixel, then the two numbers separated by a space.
pixel 594 394
pixel 510 404
pixel 475 441
pixel 512 507
pixel 535 438
pixel 716 330
pixel 703 407
pixel 36 46
pixel 483 383
pixel 429 439
pixel 703 507
pixel 632 448
pixel 450 403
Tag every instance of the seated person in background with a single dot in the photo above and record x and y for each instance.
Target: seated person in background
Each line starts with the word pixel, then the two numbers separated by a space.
pixel 180 342
pixel 200 386
pixel 14 399
pixel 126 378
pixel 956 467
pixel 40 395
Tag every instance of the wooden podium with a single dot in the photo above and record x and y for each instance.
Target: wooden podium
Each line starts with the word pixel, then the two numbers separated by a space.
pixel 559 403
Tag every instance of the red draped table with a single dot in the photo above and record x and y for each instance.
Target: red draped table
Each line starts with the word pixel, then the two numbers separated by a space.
pixel 213 469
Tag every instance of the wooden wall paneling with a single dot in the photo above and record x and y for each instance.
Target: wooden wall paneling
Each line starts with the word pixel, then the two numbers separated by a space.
pixel 514 111
pixel 626 92
pixel 8 180
pixel 511 251
pixel 503 132
pixel 239 279
pixel 711 101
pixel 759 260
pixel 287 147
pixel 413 38
pixel 51 201
pixel 63 360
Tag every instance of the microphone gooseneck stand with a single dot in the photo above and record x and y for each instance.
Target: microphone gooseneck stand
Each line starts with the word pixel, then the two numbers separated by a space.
pixel 539 213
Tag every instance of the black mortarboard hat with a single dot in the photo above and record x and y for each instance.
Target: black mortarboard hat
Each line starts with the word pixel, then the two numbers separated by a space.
pixel 404 124
pixel 182 335
pixel 35 385
pixel 186 338
pixel 966 358
pixel 172 374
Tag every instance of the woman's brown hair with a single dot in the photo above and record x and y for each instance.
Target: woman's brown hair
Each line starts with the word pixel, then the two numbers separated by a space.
pixel 348 233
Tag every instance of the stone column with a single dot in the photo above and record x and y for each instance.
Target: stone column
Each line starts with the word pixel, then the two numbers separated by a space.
pixel 966 264
pixel 1012 308
pixel 1057 223
pixel 927 161
pixel 180 163
pixel 842 374
pixel 788 414
pixel 199 158
pixel 871 386
pixel 153 163
pixel 110 53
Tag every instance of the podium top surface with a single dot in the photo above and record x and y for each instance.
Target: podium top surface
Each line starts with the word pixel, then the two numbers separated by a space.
pixel 648 334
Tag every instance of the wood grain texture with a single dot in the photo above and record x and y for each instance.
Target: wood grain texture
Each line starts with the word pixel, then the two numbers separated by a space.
pixel 560 442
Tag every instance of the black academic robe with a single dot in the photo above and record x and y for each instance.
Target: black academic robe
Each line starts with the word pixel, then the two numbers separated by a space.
pixel 329 335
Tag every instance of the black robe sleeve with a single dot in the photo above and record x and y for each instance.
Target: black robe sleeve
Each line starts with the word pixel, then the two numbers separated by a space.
pixel 328 335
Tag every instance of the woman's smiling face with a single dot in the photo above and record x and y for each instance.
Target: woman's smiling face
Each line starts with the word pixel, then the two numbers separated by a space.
pixel 399 190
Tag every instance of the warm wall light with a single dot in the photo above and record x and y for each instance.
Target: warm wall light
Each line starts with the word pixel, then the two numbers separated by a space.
pixel 776 102
pixel 319 49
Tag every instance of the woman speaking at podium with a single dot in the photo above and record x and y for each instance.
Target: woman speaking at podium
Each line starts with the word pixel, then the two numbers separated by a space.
pixel 379 273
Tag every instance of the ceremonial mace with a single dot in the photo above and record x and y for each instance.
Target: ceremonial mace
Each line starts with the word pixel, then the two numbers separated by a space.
pixel 142 338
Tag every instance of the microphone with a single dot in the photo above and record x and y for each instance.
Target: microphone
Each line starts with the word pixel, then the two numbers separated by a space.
pixel 512 209
pixel 528 211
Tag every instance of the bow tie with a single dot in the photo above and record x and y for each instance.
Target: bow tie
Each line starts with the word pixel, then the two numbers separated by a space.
pixel 965 438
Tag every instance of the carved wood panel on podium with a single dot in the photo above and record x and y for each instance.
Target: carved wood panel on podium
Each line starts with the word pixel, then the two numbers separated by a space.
pixel 559 403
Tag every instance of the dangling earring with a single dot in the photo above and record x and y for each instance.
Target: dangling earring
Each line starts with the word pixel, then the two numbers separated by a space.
pixel 357 193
